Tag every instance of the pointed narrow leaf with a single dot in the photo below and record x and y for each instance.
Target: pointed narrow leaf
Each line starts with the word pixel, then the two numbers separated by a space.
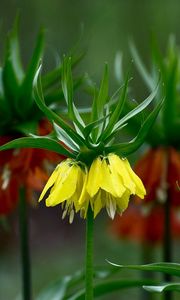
pixel 40 142
pixel 63 137
pixel 138 109
pixel 170 107
pixel 15 51
pixel 9 79
pixel 38 95
pixel 108 286
pixel 117 111
pixel 103 92
pixel 133 145
pixel 99 102
pixel 54 76
pixel 25 99
pixel 100 96
pixel 67 87
pixel 58 289
pixel 168 268
pixel 141 67
pixel 163 287
pixel 88 129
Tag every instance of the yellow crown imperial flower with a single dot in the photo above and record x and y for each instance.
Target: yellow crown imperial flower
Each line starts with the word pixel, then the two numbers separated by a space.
pixel 67 187
pixel 109 183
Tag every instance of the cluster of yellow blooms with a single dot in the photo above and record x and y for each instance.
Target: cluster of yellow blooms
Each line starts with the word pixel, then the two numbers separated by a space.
pixel 109 182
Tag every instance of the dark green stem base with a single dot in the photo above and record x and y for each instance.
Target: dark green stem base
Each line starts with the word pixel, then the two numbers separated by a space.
pixel 24 244
pixel 89 254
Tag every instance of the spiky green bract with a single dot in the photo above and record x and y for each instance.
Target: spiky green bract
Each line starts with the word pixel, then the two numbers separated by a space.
pixel 18 110
pixel 168 64
pixel 86 141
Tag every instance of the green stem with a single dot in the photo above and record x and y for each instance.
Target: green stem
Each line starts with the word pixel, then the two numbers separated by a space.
pixel 24 244
pixel 167 247
pixel 89 254
pixel 147 252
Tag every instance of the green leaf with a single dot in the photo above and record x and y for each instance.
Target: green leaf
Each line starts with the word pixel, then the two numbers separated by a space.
pixel 12 73
pixel 67 87
pixel 10 80
pixel 170 107
pixel 124 149
pixel 109 286
pixel 25 98
pixel 37 142
pixel 137 109
pixel 5 112
pixel 53 117
pixel 103 92
pixel 65 138
pixel 141 67
pixel 53 77
pixel 100 97
pixel 88 129
pixel 117 111
pixel 163 287
pixel 58 289
pixel 99 101
pixel 168 268
pixel 14 50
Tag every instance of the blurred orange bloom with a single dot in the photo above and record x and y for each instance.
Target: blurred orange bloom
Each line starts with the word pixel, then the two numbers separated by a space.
pixel 135 225
pixel 24 167
pixel 159 170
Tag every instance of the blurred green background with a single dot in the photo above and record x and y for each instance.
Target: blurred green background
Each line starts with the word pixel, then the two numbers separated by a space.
pixel 105 26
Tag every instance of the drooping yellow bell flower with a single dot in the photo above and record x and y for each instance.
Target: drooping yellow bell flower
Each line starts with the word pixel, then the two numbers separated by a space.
pixel 67 187
pixel 111 182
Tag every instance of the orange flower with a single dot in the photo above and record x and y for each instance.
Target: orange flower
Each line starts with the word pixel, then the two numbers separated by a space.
pixel 24 167
pixel 159 170
pixel 135 225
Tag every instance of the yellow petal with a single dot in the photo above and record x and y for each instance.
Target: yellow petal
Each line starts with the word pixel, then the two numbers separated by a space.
pixel 111 182
pixel 84 209
pixel 64 169
pixel 94 177
pixel 84 195
pixel 66 187
pixel 140 190
pixel 97 203
pixel 117 165
pixel 111 206
pixel 122 203
pixel 50 182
